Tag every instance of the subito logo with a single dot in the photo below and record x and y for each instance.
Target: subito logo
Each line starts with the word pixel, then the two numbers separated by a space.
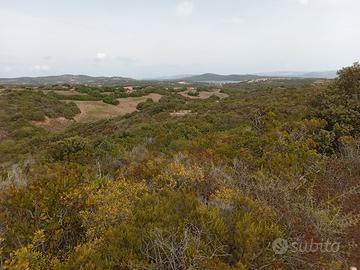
pixel 280 246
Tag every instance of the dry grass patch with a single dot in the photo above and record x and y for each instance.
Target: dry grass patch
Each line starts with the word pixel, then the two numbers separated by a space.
pixel 97 110
pixel 53 124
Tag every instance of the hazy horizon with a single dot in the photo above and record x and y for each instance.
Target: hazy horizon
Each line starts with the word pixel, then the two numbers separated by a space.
pixel 149 39
pixel 175 76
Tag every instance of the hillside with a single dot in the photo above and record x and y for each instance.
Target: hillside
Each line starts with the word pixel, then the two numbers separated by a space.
pixel 65 79
pixel 320 75
pixel 216 178
pixel 212 77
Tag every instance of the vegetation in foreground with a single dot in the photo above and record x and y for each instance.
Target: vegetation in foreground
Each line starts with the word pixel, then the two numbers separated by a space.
pixel 209 190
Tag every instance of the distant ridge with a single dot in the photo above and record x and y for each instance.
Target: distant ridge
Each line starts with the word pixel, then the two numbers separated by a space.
pixel 206 77
pixel 171 78
pixel 209 77
pixel 65 79
pixel 212 77
pixel 321 75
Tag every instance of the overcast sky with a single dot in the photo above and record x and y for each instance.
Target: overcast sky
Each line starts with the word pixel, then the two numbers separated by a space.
pixel 143 38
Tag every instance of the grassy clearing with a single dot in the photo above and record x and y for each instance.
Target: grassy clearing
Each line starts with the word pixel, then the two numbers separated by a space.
pixel 97 110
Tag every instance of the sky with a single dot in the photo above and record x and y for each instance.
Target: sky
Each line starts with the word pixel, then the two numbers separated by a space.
pixel 147 39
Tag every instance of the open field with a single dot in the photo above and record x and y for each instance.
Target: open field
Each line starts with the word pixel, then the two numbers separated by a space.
pixel 96 110
pixel 67 93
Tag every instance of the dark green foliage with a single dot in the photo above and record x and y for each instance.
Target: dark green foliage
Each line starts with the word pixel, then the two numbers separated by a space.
pixel 19 112
pixel 193 93
pixel 35 106
pixel 70 148
pixel 339 105
pixel 110 100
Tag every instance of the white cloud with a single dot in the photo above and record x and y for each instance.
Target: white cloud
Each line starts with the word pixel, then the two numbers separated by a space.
pixel 233 20
pixel 185 9
pixel 100 56
pixel 303 2
pixel 40 68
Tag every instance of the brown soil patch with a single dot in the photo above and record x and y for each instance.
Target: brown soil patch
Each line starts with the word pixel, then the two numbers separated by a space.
pixel 204 94
pixel 53 124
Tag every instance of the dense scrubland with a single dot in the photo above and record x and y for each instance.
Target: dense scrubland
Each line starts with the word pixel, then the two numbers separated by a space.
pixel 210 187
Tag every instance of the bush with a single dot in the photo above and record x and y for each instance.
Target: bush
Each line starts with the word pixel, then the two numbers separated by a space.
pixel 111 100
pixel 70 148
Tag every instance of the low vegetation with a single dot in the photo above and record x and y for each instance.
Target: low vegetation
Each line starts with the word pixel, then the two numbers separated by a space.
pixel 211 189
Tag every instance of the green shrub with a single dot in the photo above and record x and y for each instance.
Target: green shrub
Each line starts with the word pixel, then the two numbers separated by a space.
pixel 110 100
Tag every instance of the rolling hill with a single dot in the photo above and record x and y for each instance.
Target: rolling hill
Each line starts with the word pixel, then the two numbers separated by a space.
pixel 212 77
pixel 320 74
pixel 65 79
